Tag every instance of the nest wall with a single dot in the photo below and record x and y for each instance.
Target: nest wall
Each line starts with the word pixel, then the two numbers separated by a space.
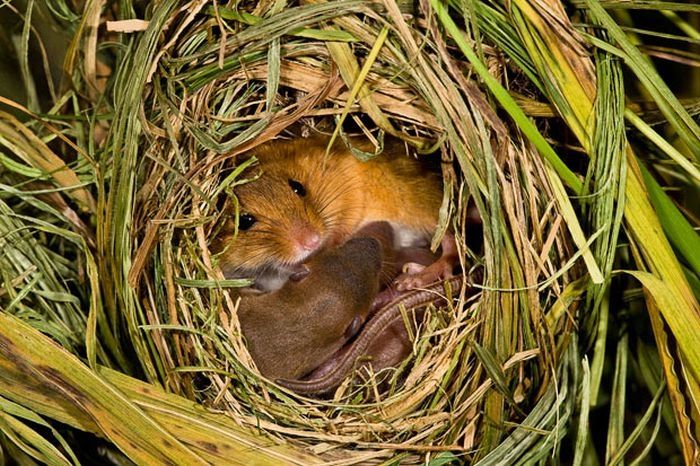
pixel 212 83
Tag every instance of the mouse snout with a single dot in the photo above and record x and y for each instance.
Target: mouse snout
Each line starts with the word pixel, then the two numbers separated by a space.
pixel 306 238
pixel 310 240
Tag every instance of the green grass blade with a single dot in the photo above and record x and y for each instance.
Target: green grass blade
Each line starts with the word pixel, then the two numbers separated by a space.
pixel 681 234
pixel 655 405
pixel 583 433
pixel 668 103
pixel 616 420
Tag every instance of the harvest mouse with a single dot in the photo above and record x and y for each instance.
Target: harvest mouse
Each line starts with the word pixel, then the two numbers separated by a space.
pixel 304 200
pixel 292 331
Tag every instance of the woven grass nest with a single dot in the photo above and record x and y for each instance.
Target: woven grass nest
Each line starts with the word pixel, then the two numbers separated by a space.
pixel 215 82
pixel 123 133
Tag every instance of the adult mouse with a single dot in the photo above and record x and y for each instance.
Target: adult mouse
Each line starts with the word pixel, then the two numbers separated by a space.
pixel 303 197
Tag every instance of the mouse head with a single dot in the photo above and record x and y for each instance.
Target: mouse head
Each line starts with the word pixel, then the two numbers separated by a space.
pixel 298 200
pixel 292 331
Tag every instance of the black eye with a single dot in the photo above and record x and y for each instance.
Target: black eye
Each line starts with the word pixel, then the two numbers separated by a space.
pixel 245 221
pixel 297 187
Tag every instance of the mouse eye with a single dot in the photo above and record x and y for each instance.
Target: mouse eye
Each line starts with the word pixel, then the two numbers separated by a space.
pixel 297 187
pixel 245 221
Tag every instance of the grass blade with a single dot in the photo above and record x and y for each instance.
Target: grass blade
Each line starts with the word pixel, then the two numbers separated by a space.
pixel 148 425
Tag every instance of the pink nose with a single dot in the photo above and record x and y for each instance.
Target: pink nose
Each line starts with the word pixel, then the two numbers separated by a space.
pixel 309 241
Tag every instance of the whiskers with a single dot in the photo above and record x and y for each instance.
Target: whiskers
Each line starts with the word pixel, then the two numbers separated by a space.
pixel 388 271
pixel 335 214
pixel 259 252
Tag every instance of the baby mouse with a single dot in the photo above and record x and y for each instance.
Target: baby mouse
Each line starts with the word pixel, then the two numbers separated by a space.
pixel 303 199
pixel 292 331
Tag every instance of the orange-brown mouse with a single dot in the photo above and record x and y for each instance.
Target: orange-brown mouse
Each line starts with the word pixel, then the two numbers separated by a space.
pixel 293 330
pixel 304 199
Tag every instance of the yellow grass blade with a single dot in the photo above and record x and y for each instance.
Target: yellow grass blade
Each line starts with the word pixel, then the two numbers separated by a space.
pixel 672 373
pixel 662 144
pixel 359 82
pixel 148 425
pixel 26 145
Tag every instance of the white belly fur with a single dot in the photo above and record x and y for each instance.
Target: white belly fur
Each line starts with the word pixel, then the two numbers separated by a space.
pixel 405 237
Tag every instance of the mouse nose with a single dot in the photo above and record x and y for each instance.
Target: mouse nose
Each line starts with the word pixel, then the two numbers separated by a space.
pixel 310 240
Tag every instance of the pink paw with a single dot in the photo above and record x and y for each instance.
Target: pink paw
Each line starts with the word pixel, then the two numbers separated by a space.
pixel 412 268
pixel 438 270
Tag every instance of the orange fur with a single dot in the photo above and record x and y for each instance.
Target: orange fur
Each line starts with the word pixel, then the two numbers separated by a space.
pixel 342 194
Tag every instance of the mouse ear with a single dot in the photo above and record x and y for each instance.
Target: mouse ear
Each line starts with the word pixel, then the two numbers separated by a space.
pixel 245 156
pixel 267 150
pixel 260 153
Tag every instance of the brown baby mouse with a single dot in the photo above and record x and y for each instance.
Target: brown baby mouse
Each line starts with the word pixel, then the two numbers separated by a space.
pixel 384 340
pixel 304 199
pixel 295 329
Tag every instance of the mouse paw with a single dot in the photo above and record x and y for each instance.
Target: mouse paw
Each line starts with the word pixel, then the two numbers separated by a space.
pixel 438 270
pixel 412 268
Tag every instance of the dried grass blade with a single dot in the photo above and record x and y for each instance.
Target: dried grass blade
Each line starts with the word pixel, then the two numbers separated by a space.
pixel 141 419
pixel 42 362
pixel 273 76
pixel 26 145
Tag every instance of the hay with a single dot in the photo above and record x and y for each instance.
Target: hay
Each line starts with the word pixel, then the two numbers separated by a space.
pixel 477 365
pixel 107 250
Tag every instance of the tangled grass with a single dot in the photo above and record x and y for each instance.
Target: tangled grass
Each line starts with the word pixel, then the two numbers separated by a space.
pixel 211 97
pixel 106 246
